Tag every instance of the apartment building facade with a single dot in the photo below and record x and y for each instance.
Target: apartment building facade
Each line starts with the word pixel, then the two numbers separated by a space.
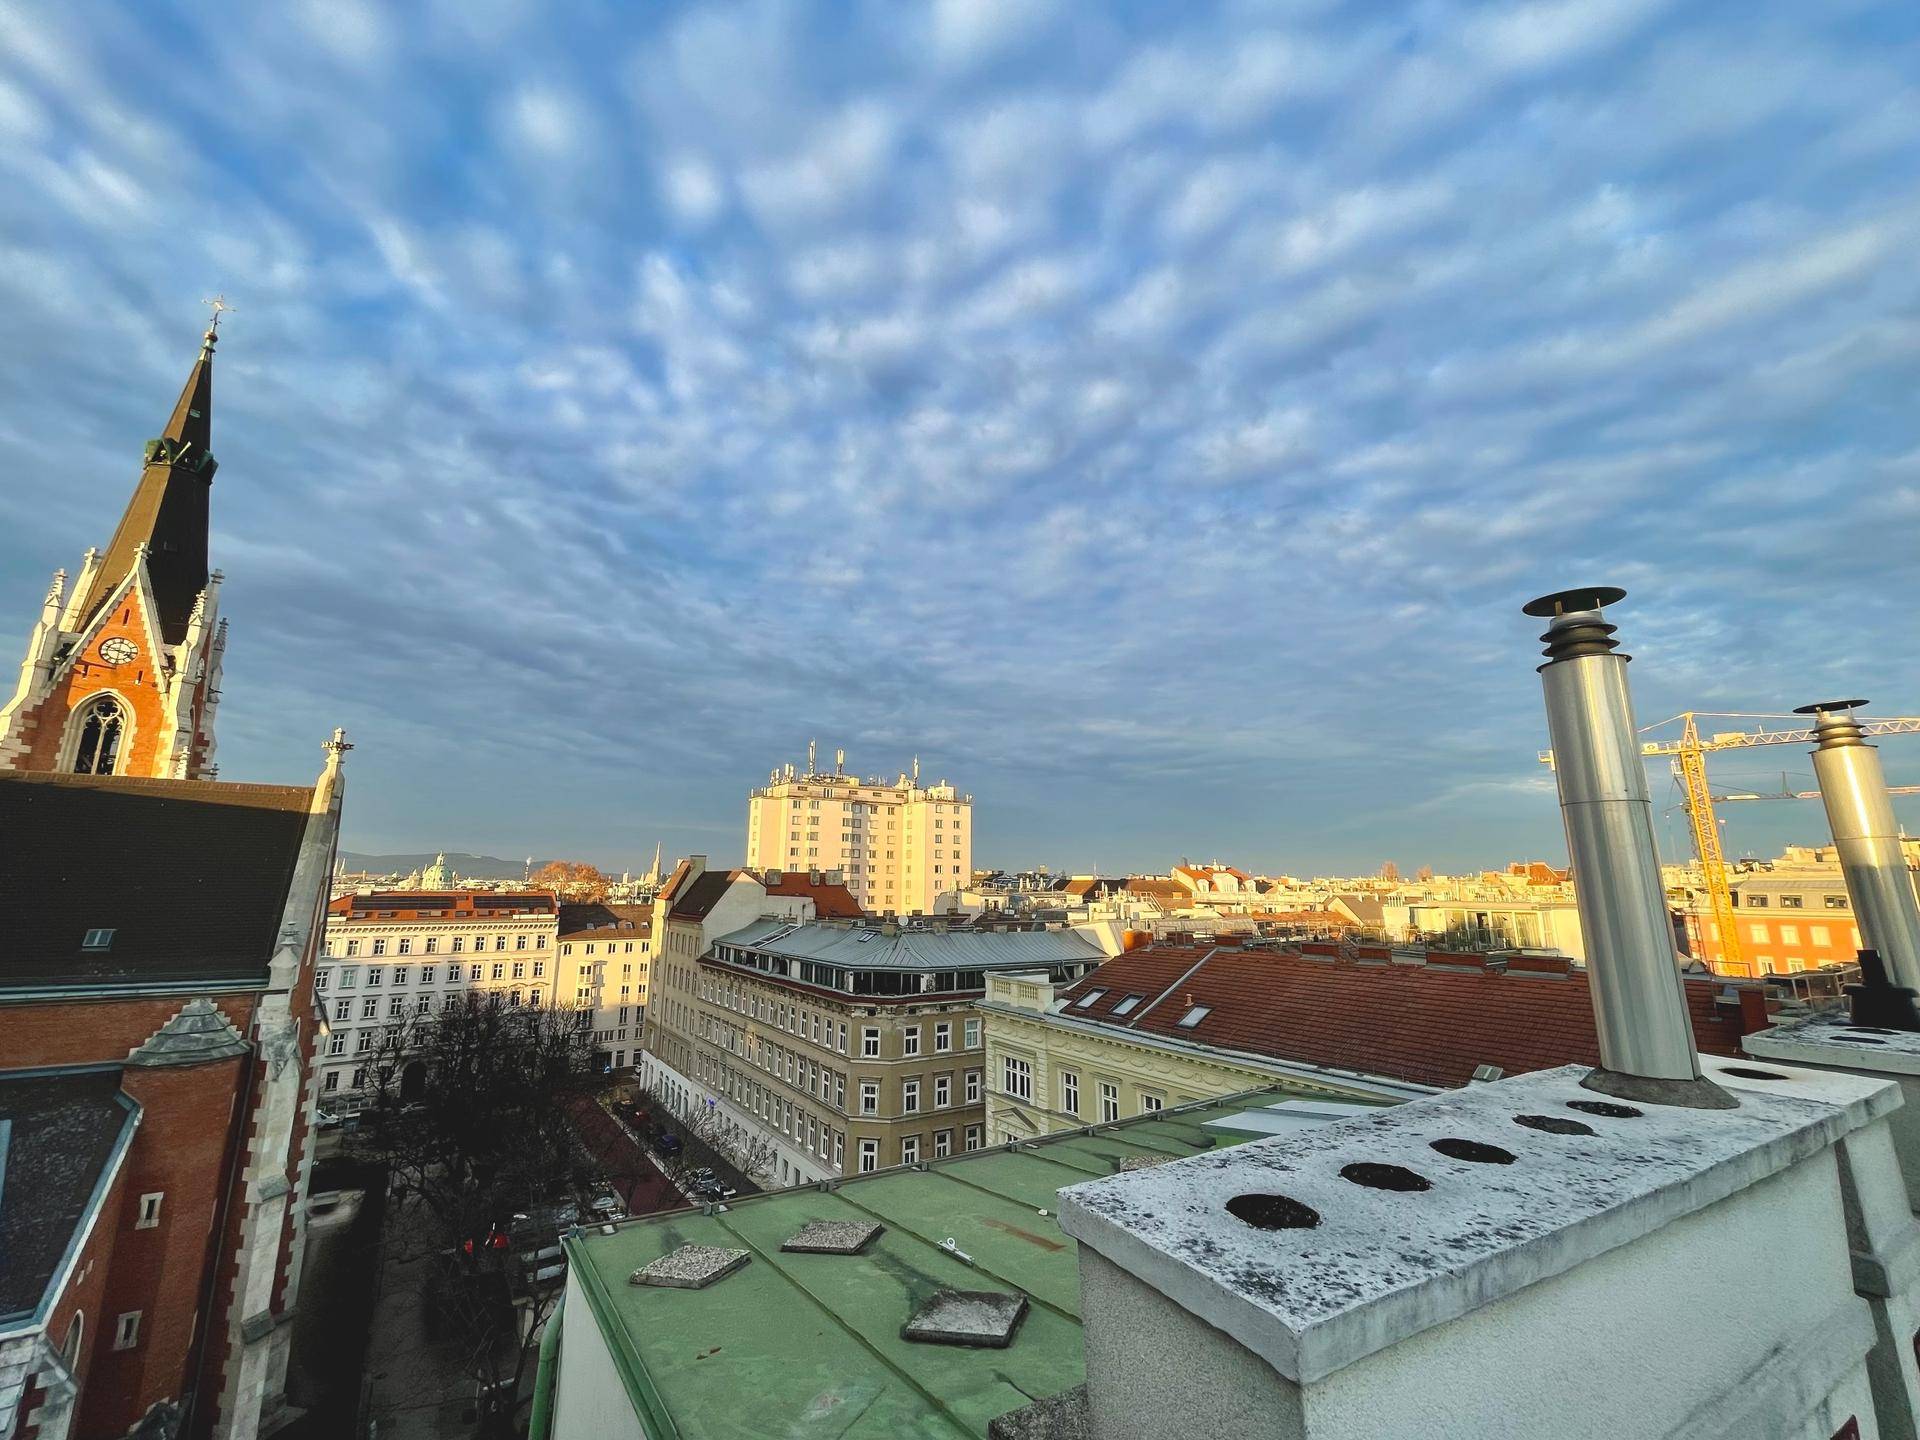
pixel 1792 917
pixel 395 956
pixel 608 949
pixel 844 1046
pixel 900 845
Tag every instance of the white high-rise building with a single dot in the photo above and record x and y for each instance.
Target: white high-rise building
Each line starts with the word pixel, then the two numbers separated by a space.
pixel 901 845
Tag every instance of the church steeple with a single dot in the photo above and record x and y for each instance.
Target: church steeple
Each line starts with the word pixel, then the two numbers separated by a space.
pixel 168 516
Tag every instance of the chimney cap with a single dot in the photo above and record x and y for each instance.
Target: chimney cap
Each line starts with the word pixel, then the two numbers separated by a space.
pixel 1561 602
pixel 1826 707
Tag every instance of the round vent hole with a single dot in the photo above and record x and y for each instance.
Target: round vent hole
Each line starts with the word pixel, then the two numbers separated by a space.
pixel 1747 1072
pixel 1606 1108
pixel 1554 1124
pixel 1456 1149
pixel 1384 1177
pixel 1273 1212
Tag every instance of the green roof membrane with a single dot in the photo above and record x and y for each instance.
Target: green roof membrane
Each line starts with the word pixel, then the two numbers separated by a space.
pixel 799 1346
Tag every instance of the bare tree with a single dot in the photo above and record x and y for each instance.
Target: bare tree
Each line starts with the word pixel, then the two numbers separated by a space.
pixel 471 1117
pixel 1389 871
pixel 755 1156
pixel 1425 872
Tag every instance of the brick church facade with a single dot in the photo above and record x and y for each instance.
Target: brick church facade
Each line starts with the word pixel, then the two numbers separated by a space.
pixel 158 932
pixel 122 671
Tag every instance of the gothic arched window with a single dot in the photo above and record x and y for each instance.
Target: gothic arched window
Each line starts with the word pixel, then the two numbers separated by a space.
pixel 102 727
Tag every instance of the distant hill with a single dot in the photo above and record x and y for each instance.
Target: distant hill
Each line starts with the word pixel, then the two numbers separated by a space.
pixel 477 867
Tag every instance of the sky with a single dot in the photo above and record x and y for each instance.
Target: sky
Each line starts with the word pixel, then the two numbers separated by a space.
pixel 1153 417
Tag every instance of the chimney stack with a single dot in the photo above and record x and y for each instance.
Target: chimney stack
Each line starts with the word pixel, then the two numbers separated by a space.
pixel 1854 789
pixel 1639 1000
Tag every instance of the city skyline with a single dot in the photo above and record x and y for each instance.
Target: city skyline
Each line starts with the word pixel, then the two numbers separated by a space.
pixel 1163 462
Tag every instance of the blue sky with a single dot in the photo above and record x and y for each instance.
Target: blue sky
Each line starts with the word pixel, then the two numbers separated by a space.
pixel 1151 416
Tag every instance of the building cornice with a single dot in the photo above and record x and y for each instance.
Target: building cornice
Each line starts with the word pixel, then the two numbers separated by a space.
pixel 1298 1071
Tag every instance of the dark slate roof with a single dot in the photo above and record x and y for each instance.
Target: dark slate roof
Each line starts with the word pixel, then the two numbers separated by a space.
pixel 191 876
pixel 169 510
pixel 698 897
pixel 595 921
pixel 58 1132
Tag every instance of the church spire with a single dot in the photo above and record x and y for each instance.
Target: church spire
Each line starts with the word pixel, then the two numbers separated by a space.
pixel 167 518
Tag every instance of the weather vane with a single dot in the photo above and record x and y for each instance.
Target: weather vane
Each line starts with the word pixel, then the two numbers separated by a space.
pixel 219 306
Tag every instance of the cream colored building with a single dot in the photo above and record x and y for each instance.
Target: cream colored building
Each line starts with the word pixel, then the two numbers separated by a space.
pixel 840 1046
pixel 391 957
pixel 1048 1070
pixel 901 845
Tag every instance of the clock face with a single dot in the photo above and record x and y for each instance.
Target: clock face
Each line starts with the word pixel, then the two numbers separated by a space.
pixel 118 651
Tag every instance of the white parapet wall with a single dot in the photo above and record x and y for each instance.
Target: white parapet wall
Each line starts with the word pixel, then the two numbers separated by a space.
pixel 1831 1041
pixel 1519 1259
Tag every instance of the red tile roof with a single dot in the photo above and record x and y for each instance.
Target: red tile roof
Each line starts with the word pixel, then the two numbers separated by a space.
pixel 1421 1023
pixel 442 904
pixel 831 900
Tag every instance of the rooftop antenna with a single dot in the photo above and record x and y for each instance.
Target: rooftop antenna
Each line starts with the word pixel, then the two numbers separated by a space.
pixel 812 750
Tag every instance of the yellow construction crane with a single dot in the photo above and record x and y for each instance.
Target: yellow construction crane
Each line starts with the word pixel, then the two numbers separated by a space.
pixel 1689 755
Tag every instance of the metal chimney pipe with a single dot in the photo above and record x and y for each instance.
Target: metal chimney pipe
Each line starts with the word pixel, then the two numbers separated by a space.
pixel 1639 1001
pixel 1854 789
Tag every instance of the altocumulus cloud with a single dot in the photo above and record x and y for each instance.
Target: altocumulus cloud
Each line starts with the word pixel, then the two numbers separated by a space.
pixel 1150 416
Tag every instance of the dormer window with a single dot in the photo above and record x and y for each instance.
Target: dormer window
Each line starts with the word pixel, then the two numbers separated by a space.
pixel 97 940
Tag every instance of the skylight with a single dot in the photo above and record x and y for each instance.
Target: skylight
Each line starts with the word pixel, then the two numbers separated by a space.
pixel 1126 1005
pixel 1087 999
pixel 1194 1016
pixel 97 940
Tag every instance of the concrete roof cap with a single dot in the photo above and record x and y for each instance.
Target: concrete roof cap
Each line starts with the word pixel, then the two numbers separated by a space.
pixel 196 1034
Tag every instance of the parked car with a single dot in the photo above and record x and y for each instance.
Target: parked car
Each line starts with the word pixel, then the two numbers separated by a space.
pixel 711 1189
pixel 667 1143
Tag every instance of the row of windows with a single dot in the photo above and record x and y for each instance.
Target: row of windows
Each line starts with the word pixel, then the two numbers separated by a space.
pixel 910 1147
pixel 613 947
pixel 1794 902
pixel 816 1136
pixel 430 945
pixel 825 1031
pixel 910 1093
pixel 376 975
pixel 1017 1084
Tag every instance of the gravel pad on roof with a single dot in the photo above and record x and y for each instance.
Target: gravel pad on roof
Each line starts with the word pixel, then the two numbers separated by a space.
pixel 982 1319
pixel 691 1267
pixel 832 1237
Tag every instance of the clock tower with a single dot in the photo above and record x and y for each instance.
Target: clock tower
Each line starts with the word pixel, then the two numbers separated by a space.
pixel 122 670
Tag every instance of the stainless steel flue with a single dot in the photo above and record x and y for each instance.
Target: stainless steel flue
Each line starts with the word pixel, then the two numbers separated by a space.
pixel 1639 1003
pixel 1854 790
